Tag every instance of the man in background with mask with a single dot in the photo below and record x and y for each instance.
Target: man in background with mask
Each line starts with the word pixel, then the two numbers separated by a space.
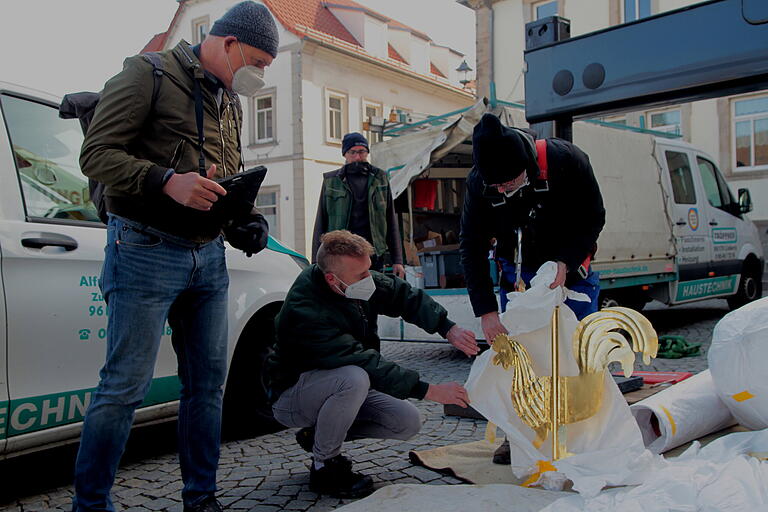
pixel 165 252
pixel 327 373
pixel 558 217
pixel 357 198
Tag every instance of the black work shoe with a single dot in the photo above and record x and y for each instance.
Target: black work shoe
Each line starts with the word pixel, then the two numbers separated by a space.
pixel 337 479
pixel 208 505
pixel 306 438
pixel 501 455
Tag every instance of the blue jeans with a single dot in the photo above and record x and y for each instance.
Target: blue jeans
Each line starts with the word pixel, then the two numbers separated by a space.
pixel 589 286
pixel 149 276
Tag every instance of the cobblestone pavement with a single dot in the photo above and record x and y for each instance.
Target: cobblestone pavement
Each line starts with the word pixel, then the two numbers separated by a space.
pixel 270 473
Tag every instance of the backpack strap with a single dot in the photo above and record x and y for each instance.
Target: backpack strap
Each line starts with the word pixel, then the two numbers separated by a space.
pixel 541 184
pixel 541 158
pixel 157 74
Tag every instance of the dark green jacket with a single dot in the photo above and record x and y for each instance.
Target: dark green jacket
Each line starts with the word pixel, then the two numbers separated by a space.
pixel 130 146
pixel 335 210
pixel 320 329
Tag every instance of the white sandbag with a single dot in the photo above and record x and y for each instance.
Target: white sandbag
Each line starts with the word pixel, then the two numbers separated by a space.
pixel 602 444
pixel 737 360
pixel 681 413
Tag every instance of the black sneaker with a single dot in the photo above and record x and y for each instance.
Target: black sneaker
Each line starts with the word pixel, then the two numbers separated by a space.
pixel 337 479
pixel 306 438
pixel 208 505
pixel 502 455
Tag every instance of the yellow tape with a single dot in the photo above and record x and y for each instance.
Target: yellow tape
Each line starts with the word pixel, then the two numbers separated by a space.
pixel 743 396
pixel 671 419
pixel 544 466
pixel 490 433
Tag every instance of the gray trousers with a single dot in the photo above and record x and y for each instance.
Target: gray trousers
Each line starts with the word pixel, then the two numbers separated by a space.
pixel 341 405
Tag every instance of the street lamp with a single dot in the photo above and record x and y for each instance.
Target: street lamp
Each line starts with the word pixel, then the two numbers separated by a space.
pixel 464 68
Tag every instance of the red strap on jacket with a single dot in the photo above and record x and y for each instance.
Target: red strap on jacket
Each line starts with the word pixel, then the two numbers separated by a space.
pixel 541 157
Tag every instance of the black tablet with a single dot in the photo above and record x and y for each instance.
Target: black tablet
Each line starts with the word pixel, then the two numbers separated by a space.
pixel 241 190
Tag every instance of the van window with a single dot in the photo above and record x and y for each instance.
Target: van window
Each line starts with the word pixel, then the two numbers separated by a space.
pixel 681 178
pixel 718 193
pixel 46 149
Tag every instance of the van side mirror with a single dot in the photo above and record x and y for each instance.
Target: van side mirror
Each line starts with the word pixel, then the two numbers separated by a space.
pixel 745 200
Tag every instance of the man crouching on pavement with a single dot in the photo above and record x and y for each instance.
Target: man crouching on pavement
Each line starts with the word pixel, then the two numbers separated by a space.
pixel 328 376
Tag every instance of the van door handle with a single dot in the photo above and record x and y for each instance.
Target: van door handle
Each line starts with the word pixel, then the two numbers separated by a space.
pixel 713 223
pixel 51 240
pixel 681 223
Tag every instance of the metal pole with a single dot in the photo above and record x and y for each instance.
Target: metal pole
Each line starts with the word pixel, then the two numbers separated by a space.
pixel 555 389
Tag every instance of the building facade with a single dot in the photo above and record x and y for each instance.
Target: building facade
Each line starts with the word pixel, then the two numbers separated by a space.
pixel 734 129
pixel 339 66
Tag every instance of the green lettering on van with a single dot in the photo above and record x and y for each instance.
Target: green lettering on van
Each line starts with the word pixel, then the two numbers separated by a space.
pixel 689 290
pixel 41 412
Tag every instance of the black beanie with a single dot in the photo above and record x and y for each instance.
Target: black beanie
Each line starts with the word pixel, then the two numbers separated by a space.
pixel 500 153
pixel 250 23
pixel 351 140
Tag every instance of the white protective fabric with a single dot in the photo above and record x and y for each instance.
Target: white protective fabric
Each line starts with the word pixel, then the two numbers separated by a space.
pixel 737 360
pixel 686 411
pixel 721 477
pixel 603 445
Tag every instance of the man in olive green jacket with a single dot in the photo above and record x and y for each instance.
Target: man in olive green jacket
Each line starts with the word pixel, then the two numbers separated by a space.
pixel 357 197
pixel 164 257
pixel 327 373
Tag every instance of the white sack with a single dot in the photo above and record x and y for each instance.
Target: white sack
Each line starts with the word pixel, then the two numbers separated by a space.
pixel 737 360
pixel 686 411
pixel 602 444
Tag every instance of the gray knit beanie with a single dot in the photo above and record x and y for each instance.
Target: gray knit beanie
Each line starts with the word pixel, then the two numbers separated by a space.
pixel 250 23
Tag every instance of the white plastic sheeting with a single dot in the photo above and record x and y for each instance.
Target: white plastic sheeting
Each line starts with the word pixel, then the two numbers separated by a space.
pixel 721 477
pixel 603 445
pixel 686 411
pixel 738 360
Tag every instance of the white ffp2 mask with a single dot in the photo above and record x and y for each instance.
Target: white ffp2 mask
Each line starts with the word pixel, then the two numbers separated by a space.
pixel 361 290
pixel 247 80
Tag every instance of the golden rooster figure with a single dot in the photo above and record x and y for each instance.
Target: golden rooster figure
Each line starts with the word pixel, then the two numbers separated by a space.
pixel 613 334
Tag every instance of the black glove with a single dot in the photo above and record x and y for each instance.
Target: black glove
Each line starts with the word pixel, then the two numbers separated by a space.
pixel 249 233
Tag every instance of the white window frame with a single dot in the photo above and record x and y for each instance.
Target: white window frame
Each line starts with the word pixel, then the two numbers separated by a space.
pixel 372 137
pixel 196 24
pixel 343 117
pixel 637 10
pixel 254 115
pixel 622 120
pixel 540 3
pixel 273 230
pixel 667 128
pixel 752 118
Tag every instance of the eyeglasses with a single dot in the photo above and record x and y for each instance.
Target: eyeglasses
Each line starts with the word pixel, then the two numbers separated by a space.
pixel 357 152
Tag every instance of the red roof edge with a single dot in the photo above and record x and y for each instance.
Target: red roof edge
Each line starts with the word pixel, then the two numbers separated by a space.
pixel 433 69
pixel 394 54
pixel 157 43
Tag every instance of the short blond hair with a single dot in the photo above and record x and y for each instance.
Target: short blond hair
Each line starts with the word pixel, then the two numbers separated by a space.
pixel 341 243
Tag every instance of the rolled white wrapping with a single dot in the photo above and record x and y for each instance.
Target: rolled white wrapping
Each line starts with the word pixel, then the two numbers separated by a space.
pixel 737 360
pixel 684 412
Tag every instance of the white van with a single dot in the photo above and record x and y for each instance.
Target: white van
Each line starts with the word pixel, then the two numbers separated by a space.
pixel 52 314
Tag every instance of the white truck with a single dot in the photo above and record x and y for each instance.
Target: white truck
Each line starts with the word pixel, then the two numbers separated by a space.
pixel 52 313
pixel 674 231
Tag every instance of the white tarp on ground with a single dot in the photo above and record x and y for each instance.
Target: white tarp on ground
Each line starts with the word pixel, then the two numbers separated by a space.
pixel 684 412
pixel 721 477
pixel 738 360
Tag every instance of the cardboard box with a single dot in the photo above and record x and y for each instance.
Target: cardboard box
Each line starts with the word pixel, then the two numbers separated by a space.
pixel 431 240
